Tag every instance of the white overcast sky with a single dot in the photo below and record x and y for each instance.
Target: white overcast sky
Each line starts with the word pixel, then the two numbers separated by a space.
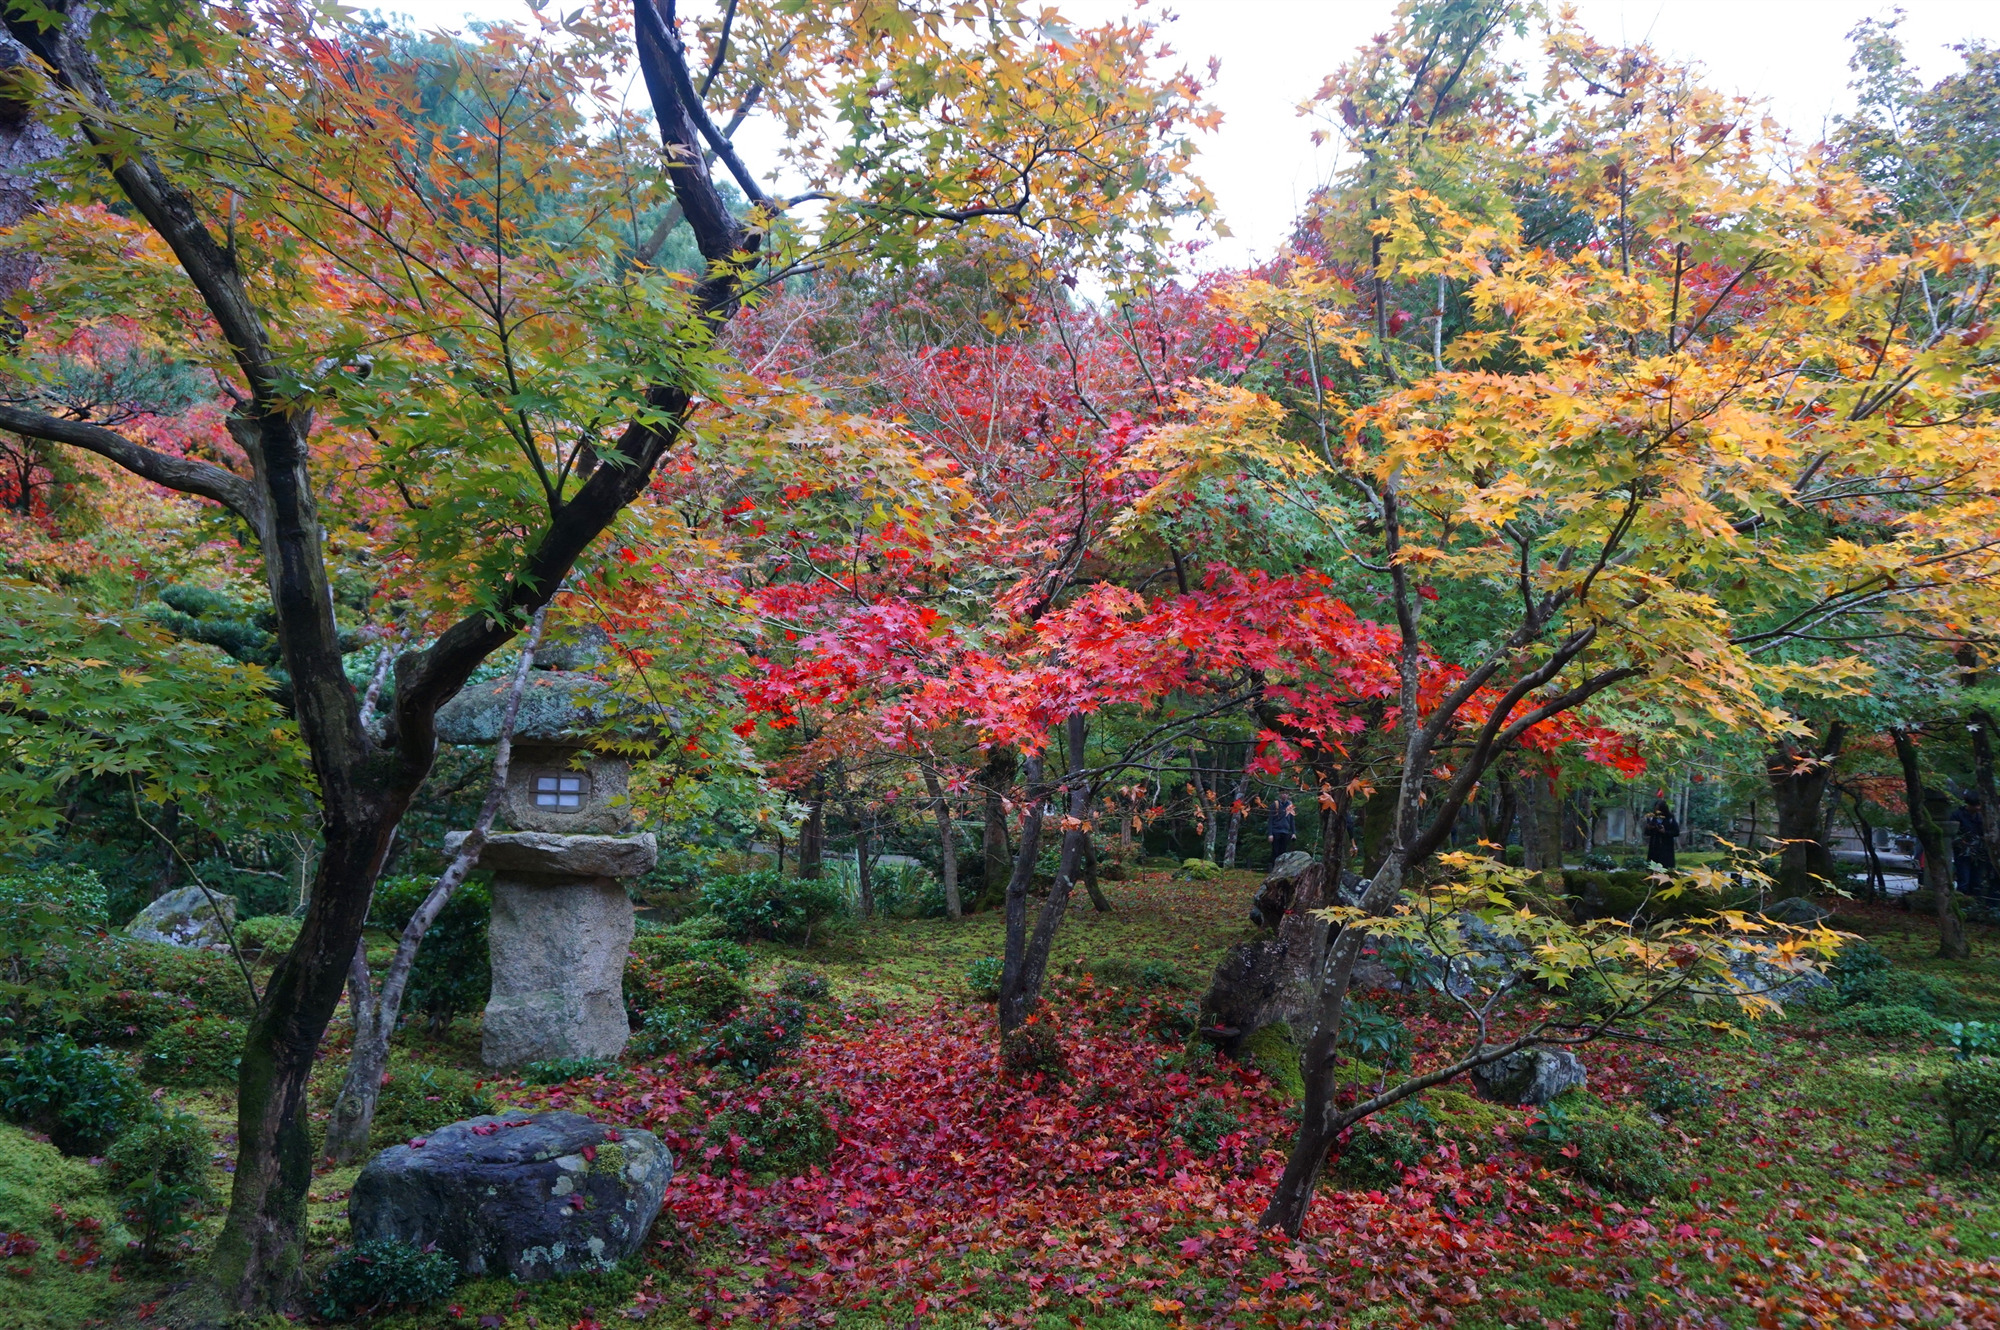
pixel 1262 163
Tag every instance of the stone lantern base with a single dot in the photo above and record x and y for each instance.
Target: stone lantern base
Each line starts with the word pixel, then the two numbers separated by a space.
pixel 561 929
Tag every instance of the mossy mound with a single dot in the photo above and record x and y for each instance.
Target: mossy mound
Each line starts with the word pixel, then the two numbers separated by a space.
pixel 1272 1050
pixel 54 1203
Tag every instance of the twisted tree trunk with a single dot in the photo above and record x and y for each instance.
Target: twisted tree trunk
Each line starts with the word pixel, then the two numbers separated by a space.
pixel 1930 833
pixel 376 1014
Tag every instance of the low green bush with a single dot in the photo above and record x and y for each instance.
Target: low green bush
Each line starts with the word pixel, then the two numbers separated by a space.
pixel 1379 1149
pixel 1202 1123
pixel 983 978
pixel 82 1098
pixel 702 987
pixel 269 935
pixel 1613 1151
pixel 77 893
pixel 418 1097
pixel 1901 1023
pixel 206 981
pixel 160 1170
pixel 668 1029
pixel 453 972
pixel 1200 870
pixel 1902 988
pixel 1970 1039
pixel 1971 1098
pixel 1667 1090
pixel 781 1130
pixel 767 904
pixel 372 1278
pixel 672 948
pixel 195 1051
pixel 759 1036
pixel 1853 967
pixel 1632 894
pixel 803 984
pixel 908 891
pixel 560 1071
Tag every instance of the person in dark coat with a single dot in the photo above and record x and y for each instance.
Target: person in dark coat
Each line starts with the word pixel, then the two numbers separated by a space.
pixel 1284 825
pixel 1662 829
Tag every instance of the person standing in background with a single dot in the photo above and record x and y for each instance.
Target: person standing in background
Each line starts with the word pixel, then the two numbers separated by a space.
pixel 1662 828
pixel 1284 825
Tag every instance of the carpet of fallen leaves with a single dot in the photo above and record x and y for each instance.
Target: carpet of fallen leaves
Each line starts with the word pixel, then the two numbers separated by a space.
pixel 1057 1201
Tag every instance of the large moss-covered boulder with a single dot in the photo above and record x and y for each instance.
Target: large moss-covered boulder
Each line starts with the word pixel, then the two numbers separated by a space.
pixel 531 1195
pixel 189 917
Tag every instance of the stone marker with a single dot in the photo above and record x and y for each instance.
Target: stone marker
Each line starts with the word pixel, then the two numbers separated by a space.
pixel 186 918
pixel 562 922
pixel 524 1194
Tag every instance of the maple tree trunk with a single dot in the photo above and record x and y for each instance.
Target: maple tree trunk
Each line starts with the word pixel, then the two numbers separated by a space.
pixel 1027 960
pixel 376 1014
pixel 1930 834
pixel 1989 804
pixel 812 832
pixel 995 778
pixel 1541 822
pixel 1098 900
pixel 1798 789
pixel 1014 1000
pixel 1236 818
pixel 864 878
pixel 1878 885
pixel 947 843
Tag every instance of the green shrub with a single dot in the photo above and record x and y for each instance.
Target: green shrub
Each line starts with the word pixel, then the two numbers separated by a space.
pixel 1668 1090
pixel 758 1037
pixel 1033 1049
pixel 75 892
pixel 1902 988
pixel 803 984
pixel 417 1097
pixel 560 1071
pixel 671 948
pixel 82 1098
pixel 1200 870
pixel 1379 1149
pixel 777 1130
pixel 371 1278
pixel 160 1170
pixel 206 981
pixel 908 891
pixel 1202 1123
pixel 269 935
pixel 196 1051
pixel 983 978
pixel 1373 1035
pixel 701 987
pixel 767 904
pixel 1854 966
pixel 453 972
pixel 1971 1095
pixel 1613 1151
pixel 1899 1023
pixel 1972 1039
pixel 1632 894
pixel 668 1029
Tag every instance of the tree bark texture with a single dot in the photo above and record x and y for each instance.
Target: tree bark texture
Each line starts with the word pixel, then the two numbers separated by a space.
pixel 1027 959
pixel 947 842
pixel 1799 777
pixel 995 779
pixel 376 1013
pixel 1928 826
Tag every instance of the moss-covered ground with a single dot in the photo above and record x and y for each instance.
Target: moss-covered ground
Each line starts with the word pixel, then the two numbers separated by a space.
pixel 1811 1190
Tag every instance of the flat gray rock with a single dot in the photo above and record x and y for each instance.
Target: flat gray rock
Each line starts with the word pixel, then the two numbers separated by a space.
pixel 186 918
pixel 530 1195
pixel 568 856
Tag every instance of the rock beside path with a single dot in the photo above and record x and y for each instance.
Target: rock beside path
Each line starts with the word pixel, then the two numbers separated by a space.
pixel 532 1195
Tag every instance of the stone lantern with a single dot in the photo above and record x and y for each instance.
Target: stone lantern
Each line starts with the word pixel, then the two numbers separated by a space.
pixel 562 922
